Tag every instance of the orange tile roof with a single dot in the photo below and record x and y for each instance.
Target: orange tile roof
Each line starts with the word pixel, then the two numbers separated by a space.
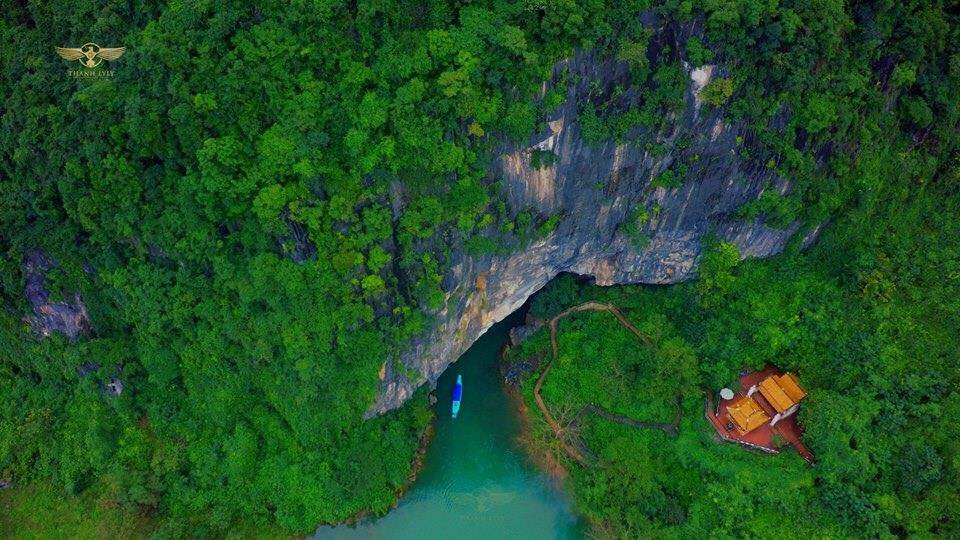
pixel 776 395
pixel 791 386
pixel 747 414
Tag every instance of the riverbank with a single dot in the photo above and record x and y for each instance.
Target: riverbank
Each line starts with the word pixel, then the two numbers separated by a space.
pixel 592 395
pixel 474 478
pixel 540 456
pixel 416 465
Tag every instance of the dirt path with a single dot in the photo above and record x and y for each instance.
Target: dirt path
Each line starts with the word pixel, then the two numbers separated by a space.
pixel 670 428
pixel 578 451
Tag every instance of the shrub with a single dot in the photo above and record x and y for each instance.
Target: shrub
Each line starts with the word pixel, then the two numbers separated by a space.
pixel 717 92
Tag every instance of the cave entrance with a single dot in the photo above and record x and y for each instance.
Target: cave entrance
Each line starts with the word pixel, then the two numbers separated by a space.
pixel 474 472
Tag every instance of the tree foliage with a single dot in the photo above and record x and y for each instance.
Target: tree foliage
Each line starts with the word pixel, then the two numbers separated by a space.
pixel 260 207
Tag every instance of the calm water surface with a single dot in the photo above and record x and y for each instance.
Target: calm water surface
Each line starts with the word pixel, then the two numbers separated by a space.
pixel 476 482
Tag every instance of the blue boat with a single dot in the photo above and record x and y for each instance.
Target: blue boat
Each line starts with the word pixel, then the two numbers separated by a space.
pixel 457 394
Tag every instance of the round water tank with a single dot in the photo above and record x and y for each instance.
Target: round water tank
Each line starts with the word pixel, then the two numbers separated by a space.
pixel 726 393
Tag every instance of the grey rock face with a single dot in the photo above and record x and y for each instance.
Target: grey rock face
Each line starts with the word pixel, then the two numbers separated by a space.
pixel 518 334
pixel 68 318
pixel 302 249
pixel 597 190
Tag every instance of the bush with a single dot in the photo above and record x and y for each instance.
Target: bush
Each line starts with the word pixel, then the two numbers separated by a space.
pixel 717 91
pixel 593 129
pixel 697 53
pixel 668 179
pixel 541 159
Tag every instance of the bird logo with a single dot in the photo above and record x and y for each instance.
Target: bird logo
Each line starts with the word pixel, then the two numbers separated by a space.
pixel 90 55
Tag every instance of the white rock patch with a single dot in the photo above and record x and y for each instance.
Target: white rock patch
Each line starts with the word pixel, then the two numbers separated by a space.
pixel 700 77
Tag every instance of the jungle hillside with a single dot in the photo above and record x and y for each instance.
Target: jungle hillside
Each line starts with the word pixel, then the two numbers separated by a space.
pixel 208 258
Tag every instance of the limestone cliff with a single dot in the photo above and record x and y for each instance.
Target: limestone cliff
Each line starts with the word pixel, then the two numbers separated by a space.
pixel 597 189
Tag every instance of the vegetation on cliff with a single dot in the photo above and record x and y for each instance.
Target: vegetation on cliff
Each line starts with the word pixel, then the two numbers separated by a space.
pixel 258 208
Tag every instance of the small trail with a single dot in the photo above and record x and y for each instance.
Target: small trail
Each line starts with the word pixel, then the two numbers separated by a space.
pixel 578 451
pixel 670 428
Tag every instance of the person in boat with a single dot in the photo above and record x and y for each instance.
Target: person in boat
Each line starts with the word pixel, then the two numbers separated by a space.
pixel 457 395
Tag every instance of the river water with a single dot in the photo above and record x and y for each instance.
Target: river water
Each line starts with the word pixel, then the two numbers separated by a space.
pixel 476 481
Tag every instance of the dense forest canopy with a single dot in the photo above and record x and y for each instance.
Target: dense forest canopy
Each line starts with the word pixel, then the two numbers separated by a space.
pixel 256 212
pixel 868 318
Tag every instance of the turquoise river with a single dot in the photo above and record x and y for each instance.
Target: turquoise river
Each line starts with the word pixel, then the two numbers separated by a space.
pixel 476 481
